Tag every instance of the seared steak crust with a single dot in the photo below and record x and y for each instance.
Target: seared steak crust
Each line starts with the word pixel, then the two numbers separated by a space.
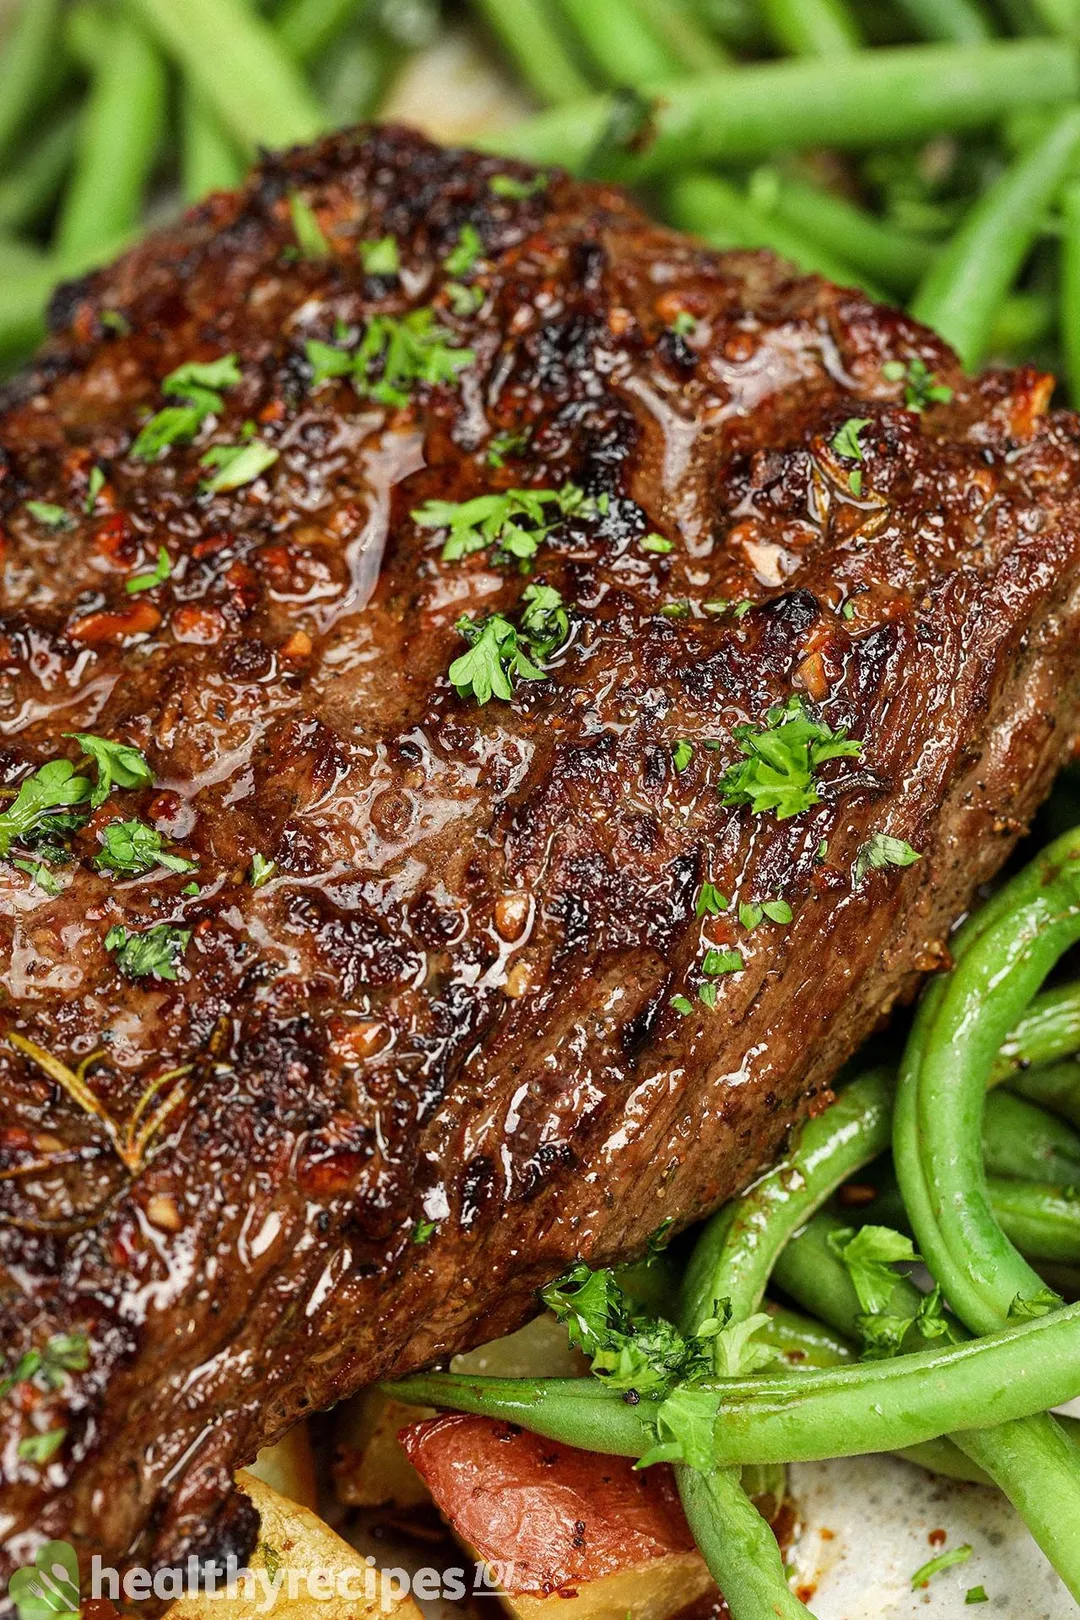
pixel 451 1002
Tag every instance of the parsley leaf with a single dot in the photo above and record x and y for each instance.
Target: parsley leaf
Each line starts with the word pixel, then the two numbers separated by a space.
pixel 682 754
pixel 306 228
pixel 146 582
pixel 94 486
pixel 628 1350
pixel 715 962
pixel 880 851
pixel 49 516
pixel 463 256
pixel 155 953
pixel 236 464
pixel 506 444
pixel 261 870
pixel 380 258
pixel 869 1256
pixel 920 389
pixel 133 848
pixel 495 654
pixel 682 1005
pixel 64 1353
pixel 38 1448
pixel 508 185
pixel 777 911
pixel 976 1594
pixel 116 763
pixel 199 383
pixel 545 622
pixel 412 348
pixel 684 325
pixel 424 1231
pixel 656 543
pixel 39 875
pixel 777 772
pixel 710 902
pixel 1025 1308
pixel 945 1560
pixel 845 442
pixel 496 520
pixel 52 786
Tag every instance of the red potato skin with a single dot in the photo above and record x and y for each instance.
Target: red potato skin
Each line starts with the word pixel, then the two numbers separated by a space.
pixel 452 1002
pixel 553 1517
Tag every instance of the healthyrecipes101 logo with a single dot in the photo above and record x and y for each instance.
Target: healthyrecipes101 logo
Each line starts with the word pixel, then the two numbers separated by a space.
pixel 49 1588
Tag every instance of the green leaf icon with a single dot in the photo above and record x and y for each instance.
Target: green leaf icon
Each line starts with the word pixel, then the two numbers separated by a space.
pixel 48 1589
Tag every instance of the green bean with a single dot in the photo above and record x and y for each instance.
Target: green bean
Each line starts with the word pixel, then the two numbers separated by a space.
pixel 1048 1030
pixel 1070 287
pixel 942 1457
pixel 811 27
pixel 18 258
pixel 967 283
pixel 899 93
pixel 831 1412
pixel 803 1341
pixel 118 141
pixel 1023 1141
pixel 958 20
pixel 27 193
pixel 1002 955
pixel 1055 1087
pixel 631 54
pixel 209 159
pixel 712 208
pixel 306 28
pixel 1022 321
pixel 535 45
pixel 896 259
pixel 736 1543
pixel 353 76
pixel 232 56
pixel 22 311
pixel 1043 1220
pixel 674 22
pixel 30 49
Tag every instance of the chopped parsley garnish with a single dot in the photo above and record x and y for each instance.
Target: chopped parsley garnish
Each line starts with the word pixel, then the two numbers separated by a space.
pixel 777 772
pixel 506 444
pixel 628 1350
pixel 1025 1308
pixel 38 1448
pixel 508 185
pixel 710 902
pixel 682 1005
pixel 946 1560
pixel 306 228
pixel 656 543
pixel 116 763
pixel 976 1594
pixel 684 325
pixel 467 250
pixel 236 465
pixel 845 442
pixel 848 609
pixel 54 786
pixel 751 912
pixel 715 962
pixel 64 1353
pixel 199 384
pixel 133 848
pixel 463 300
pixel 682 754
pixel 545 622
pixel 497 520
pixel 155 954
pixel 869 1256
pixel 380 258
pixel 49 516
pixel 39 875
pixel 676 610
pixel 159 574
pixel 261 870
pixel 495 656
pixel 424 1231
pixel 94 486
pixel 405 350
pixel 880 851
pixel 920 388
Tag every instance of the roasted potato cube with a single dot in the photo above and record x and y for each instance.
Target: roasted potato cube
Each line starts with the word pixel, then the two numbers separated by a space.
pixel 565 1533
pixel 289 1467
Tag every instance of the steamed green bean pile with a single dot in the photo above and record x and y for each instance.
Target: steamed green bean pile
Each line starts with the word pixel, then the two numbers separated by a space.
pixel 927 151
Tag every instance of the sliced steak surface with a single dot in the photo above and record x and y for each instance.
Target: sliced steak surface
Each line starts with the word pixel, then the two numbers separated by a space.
pixel 440 1017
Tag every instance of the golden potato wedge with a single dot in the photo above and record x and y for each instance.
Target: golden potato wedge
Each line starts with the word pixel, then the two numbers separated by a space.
pixel 298 1559
pixel 566 1533
pixel 370 1468
pixel 289 1467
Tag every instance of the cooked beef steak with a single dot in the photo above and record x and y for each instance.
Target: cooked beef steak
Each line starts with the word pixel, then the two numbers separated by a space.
pixel 464 1004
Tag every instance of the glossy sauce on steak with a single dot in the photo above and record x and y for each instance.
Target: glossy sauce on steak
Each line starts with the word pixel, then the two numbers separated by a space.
pixel 443 1017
